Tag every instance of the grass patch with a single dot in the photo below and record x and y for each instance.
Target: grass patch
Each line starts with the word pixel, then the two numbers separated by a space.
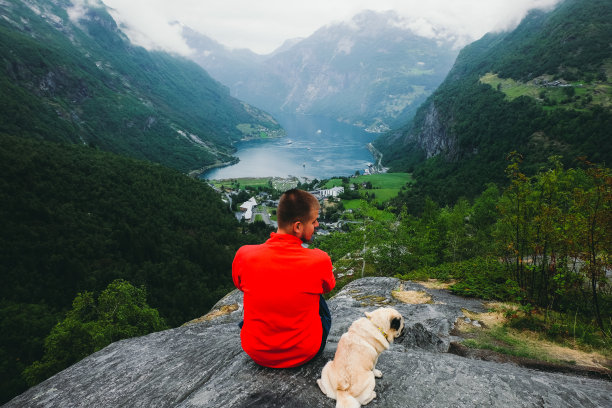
pixel 385 186
pixel 386 180
pixel 334 182
pixel 383 180
pixel 365 211
pixel 351 204
pixel 280 184
pixel 582 95
pixel 271 213
pixel 500 341
pixel 250 131
pixel 513 89
pixel 499 335
pixel 569 329
pixel 253 182
pixel 243 182
pixel 513 329
pixel 380 195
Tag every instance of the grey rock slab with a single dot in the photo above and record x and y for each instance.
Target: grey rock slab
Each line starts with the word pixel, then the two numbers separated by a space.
pixel 202 365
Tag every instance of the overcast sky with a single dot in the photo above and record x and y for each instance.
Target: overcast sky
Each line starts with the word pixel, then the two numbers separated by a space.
pixel 263 25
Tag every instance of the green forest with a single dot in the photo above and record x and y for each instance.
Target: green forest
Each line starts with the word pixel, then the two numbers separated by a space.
pixel 86 83
pixel 542 241
pixel 75 219
pixel 480 124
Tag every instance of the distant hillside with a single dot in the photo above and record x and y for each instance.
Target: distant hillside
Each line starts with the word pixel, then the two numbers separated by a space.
pixel 70 74
pixel 373 71
pixel 543 89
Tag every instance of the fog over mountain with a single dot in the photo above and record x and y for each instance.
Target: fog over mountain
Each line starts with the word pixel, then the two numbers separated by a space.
pixel 373 71
pixel 263 26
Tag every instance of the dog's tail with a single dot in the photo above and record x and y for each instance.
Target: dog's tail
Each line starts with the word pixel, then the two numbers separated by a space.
pixel 346 400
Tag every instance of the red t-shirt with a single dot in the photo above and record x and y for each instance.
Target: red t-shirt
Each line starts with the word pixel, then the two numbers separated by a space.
pixel 282 283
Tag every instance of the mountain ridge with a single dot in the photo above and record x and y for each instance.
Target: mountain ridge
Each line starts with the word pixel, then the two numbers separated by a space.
pixel 75 77
pixel 499 98
pixel 372 71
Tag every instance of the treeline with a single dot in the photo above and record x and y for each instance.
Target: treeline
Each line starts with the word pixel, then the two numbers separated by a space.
pixel 555 234
pixel 543 241
pixel 74 219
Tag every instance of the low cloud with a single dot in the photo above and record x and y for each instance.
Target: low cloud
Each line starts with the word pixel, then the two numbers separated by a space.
pixel 79 8
pixel 465 20
pixel 264 25
pixel 148 24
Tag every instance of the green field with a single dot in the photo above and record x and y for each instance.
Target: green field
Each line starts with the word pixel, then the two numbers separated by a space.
pixel 382 181
pixel 248 130
pixel 584 94
pixel 367 210
pixel 385 186
pixel 280 184
pixel 242 182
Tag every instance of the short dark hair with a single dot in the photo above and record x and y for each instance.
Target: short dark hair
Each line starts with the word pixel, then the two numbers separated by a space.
pixel 295 205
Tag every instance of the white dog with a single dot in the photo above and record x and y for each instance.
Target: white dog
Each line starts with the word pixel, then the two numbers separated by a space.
pixel 349 378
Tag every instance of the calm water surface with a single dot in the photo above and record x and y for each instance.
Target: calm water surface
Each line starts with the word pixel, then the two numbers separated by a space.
pixel 314 148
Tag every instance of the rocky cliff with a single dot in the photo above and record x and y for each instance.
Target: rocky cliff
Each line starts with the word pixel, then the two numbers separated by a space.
pixel 202 365
pixel 433 137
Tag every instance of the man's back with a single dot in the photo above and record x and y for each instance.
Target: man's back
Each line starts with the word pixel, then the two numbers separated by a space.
pixel 282 283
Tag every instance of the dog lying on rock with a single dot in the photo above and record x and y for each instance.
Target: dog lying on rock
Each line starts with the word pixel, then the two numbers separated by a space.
pixel 349 377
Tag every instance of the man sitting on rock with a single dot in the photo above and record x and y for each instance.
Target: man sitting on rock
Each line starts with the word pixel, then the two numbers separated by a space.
pixel 286 320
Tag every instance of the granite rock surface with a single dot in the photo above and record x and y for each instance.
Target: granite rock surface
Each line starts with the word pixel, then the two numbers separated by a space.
pixel 201 364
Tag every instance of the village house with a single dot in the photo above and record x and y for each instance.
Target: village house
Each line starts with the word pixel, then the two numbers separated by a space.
pixel 331 192
pixel 247 208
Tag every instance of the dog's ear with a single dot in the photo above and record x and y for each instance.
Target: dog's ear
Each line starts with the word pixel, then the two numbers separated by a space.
pixel 396 322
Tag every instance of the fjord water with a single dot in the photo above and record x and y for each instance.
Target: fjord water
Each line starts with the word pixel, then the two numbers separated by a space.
pixel 314 147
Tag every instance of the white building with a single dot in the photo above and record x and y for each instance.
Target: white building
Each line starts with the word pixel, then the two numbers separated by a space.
pixel 331 192
pixel 247 208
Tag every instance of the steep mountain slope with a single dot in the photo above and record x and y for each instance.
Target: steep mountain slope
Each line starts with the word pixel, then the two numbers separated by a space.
pixel 75 218
pixel 543 89
pixel 373 71
pixel 69 74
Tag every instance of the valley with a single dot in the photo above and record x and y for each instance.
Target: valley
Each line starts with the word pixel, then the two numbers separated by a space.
pixel 483 170
pixel 312 147
pixel 371 71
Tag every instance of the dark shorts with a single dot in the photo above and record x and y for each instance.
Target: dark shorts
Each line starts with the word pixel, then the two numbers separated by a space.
pixel 325 321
